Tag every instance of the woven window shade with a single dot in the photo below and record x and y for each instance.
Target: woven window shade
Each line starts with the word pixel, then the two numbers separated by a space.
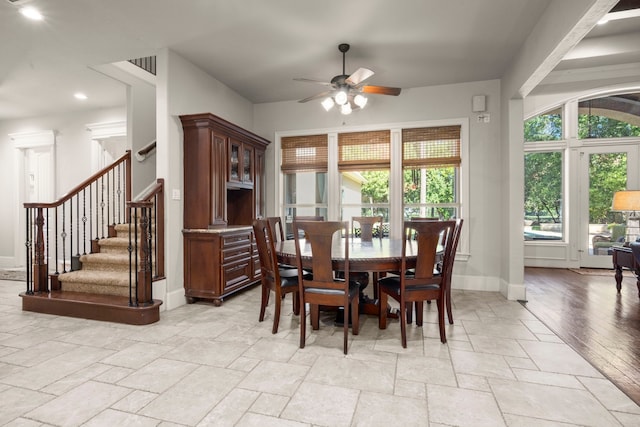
pixel 306 153
pixel 364 150
pixel 431 147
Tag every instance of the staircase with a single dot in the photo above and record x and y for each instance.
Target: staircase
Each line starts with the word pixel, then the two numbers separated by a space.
pixel 100 290
pixel 105 272
pixel 113 282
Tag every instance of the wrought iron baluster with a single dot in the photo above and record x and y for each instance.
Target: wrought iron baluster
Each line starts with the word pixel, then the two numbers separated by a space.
pixel 84 220
pixel 71 268
pixel 119 192
pixel 55 261
pixel 109 222
pixel 63 235
pixel 102 205
pixel 29 248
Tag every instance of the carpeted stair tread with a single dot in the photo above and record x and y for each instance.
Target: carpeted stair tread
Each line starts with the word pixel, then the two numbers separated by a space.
pixel 119 242
pixel 108 261
pixel 122 230
pixel 96 282
pixel 109 278
pixel 106 258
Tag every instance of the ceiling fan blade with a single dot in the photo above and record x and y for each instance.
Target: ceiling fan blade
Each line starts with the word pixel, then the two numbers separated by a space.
pixel 318 82
pixel 358 76
pixel 317 96
pixel 381 90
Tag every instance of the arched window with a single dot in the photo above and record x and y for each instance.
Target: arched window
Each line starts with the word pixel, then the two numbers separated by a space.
pixel 614 116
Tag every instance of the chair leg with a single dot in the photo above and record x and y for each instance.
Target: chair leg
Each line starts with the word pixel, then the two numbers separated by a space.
pixel 315 316
pixel 303 321
pixel 409 312
pixel 355 317
pixel 403 324
pixel 382 310
pixel 276 314
pixel 296 303
pixel 448 301
pixel 441 308
pixel 345 327
pixel 419 313
pixel 264 302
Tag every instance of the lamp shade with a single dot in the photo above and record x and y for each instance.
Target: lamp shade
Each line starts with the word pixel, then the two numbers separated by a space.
pixel 626 201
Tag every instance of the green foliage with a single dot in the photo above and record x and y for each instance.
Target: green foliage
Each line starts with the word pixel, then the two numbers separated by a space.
pixel 608 174
pixel 545 127
pixel 604 127
pixel 543 185
pixel 440 187
pixel 376 187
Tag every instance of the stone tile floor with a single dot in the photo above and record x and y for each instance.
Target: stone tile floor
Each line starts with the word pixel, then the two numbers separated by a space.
pixel 202 365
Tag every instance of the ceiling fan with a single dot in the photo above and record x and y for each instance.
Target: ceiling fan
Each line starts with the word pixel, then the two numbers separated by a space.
pixel 346 90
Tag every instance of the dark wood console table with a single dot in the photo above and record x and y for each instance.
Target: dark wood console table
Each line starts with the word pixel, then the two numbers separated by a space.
pixel 623 258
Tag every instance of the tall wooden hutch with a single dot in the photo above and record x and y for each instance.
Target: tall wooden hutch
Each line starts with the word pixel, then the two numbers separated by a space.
pixel 223 194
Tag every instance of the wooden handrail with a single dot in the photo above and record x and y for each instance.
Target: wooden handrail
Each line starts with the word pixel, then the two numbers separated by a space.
pixel 126 159
pixel 156 189
pixel 141 154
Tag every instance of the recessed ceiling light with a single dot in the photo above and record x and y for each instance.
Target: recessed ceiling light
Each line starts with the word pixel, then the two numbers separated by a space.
pixel 80 95
pixel 31 13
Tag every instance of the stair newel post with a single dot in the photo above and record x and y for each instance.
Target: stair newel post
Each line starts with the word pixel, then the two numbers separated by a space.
pixel 39 263
pixel 159 229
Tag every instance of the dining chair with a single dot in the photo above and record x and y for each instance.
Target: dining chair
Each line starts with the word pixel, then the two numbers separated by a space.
pixel 366 224
pixel 308 218
pixel 273 278
pixel 421 284
pixel 410 305
pixel 323 288
pixel 447 269
pixel 275 222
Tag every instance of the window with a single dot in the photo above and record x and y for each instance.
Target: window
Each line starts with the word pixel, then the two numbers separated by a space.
pixel 304 166
pixel 544 127
pixel 613 116
pixel 431 171
pixel 543 196
pixel 361 171
pixel 364 160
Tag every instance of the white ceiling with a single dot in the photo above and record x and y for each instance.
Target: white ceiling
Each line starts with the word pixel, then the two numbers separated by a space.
pixel 257 47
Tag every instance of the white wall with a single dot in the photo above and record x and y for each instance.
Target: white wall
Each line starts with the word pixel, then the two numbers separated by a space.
pixel 141 130
pixel 73 163
pixel 482 270
pixel 183 88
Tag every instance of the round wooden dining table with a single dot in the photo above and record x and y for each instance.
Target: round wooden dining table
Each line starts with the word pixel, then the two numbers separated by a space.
pixel 378 255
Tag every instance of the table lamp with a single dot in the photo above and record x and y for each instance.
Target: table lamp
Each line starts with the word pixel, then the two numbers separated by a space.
pixel 628 201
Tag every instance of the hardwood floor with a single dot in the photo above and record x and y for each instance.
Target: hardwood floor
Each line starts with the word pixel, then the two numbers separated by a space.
pixel 587 313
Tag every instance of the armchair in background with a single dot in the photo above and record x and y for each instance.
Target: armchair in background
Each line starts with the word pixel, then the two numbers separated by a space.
pixel 602 242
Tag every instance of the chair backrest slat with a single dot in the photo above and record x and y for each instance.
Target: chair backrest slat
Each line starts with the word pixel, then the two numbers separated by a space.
pixel 275 222
pixel 266 250
pixel 320 236
pixel 366 224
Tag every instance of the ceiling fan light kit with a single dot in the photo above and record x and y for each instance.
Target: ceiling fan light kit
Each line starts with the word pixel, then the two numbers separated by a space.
pixel 347 90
